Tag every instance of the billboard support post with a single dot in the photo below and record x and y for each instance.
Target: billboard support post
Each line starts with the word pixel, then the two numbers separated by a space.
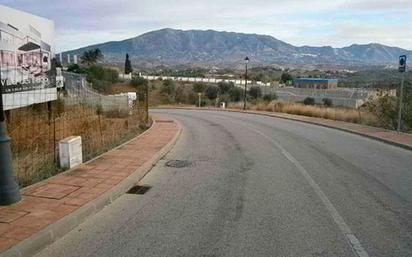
pixel 9 190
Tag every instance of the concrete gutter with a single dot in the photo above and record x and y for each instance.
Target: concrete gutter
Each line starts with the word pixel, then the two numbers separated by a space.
pixel 53 232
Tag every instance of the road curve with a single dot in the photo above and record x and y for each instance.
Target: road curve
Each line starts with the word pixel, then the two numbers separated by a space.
pixel 259 186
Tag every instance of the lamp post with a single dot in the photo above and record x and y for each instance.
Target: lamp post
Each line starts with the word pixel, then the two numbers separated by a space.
pixel 244 95
pixel 9 190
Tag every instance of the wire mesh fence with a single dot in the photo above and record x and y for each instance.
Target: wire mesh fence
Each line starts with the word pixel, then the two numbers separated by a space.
pixel 38 117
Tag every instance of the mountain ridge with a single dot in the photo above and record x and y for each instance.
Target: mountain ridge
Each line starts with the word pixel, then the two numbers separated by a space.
pixel 220 48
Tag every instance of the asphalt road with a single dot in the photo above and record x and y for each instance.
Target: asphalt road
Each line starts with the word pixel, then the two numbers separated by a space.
pixel 259 186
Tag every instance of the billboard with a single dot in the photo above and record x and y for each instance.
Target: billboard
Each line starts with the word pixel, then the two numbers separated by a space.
pixel 26 49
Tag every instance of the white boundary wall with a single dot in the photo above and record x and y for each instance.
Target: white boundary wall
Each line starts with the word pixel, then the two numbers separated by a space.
pixel 26 98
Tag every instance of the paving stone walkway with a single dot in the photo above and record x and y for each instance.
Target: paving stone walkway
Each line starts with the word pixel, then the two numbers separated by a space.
pixel 46 202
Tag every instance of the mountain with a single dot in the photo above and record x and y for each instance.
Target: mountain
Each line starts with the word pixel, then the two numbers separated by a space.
pixel 197 47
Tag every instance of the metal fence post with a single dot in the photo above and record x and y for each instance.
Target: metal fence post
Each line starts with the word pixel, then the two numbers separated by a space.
pixel 9 190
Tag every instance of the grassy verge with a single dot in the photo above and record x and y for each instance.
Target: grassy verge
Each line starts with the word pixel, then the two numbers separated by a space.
pixel 331 113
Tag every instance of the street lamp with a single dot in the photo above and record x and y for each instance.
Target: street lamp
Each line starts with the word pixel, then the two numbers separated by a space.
pixel 244 95
pixel 9 190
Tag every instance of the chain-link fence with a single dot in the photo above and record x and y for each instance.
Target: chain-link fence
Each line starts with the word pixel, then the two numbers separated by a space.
pixel 38 117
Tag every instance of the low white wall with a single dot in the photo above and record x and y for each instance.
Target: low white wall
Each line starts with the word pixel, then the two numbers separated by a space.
pixel 26 98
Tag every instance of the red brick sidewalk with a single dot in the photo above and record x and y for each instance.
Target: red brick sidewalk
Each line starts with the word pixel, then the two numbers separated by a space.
pixel 46 202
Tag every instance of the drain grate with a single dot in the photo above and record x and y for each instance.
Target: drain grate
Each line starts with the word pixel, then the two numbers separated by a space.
pixel 178 163
pixel 139 189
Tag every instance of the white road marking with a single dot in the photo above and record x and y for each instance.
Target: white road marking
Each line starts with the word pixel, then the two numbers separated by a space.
pixel 353 241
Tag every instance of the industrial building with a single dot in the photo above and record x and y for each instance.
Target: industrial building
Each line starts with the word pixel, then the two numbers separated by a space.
pixel 315 83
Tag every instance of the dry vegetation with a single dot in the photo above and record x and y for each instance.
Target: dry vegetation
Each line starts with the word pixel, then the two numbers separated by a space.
pixel 332 113
pixel 35 135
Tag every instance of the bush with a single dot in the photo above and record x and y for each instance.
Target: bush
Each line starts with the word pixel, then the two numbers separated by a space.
pixel 236 94
pixel 101 86
pixel 74 68
pixel 286 77
pixel 98 72
pixel 327 102
pixel 225 87
pixel 270 97
pixel 309 101
pixel 138 82
pixel 211 92
pixel 199 87
pixel 255 92
pixel 168 87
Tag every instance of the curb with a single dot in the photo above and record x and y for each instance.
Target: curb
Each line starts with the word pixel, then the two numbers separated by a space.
pixel 53 232
pixel 274 115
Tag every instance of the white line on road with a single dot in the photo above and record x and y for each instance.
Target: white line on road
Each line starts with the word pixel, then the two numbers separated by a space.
pixel 356 246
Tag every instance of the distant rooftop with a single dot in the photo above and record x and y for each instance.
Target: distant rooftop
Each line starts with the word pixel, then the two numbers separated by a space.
pixel 314 80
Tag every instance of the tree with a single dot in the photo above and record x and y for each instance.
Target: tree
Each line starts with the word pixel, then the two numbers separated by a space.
pixel 211 92
pixel 235 94
pixel 255 92
pixel 168 87
pixel 128 65
pixel 74 67
pixel 285 77
pixel 270 97
pixel 224 87
pixel 139 82
pixel 91 56
pixel 199 87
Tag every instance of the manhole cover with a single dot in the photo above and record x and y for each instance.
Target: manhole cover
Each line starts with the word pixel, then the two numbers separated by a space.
pixel 139 189
pixel 178 163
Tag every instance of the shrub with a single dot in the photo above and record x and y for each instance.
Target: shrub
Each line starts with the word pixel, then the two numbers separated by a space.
pixel 211 92
pixel 224 87
pixel 138 82
pixel 168 87
pixel 74 68
pixel 270 97
pixel 255 92
pixel 309 101
pixel 199 87
pixel 236 94
pixel 327 102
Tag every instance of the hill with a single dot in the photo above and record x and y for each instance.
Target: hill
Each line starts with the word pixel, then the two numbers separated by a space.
pixel 196 47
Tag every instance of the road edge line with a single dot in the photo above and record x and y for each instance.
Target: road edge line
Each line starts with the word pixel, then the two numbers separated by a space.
pixel 351 238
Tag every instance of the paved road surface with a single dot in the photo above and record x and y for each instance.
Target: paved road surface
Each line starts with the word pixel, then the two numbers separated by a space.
pixel 259 186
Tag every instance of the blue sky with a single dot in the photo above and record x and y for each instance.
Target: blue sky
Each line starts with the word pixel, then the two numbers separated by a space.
pixel 299 22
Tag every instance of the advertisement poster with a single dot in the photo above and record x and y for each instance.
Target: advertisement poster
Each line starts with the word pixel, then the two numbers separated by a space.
pixel 26 50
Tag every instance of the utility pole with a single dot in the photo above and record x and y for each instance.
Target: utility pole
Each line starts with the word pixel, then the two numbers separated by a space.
pixel 200 99
pixel 244 95
pixel 9 190
pixel 402 69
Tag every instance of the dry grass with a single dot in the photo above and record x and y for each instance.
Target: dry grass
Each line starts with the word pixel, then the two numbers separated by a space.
pixel 332 113
pixel 35 138
pixel 122 87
